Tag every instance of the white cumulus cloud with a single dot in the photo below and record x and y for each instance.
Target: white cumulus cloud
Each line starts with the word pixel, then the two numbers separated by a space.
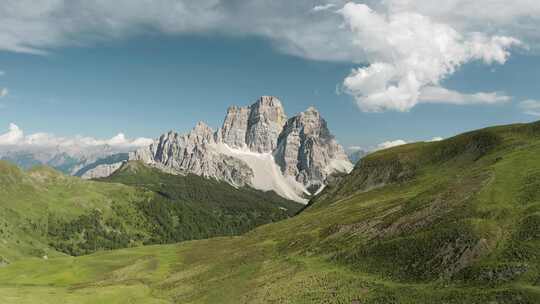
pixel 3 92
pixel 409 52
pixel 13 136
pixel 15 139
pixel 37 26
pixel 405 45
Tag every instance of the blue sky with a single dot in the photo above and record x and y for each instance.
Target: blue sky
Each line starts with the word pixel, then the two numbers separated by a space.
pixel 146 83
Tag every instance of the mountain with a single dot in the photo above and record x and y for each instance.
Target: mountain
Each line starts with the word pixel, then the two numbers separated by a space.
pixel 256 146
pixel 27 159
pixel 102 167
pixel 455 221
pixel 68 161
pixel 256 127
pixel 47 213
pixel 356 155
pixel 307 151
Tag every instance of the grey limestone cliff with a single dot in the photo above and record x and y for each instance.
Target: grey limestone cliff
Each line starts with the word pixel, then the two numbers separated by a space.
pixel 308 151
pixel 100 171
pixel 194 153
pixel 302 147
pixel 256 127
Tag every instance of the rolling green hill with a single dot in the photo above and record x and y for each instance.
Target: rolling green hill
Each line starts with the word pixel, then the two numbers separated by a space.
pixel 456 221
pixel 207 194
pixel 45 213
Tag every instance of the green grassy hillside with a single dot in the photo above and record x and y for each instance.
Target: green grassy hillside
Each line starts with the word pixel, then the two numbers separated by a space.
pixel 456 221
pixel 45 213
pixel 207 194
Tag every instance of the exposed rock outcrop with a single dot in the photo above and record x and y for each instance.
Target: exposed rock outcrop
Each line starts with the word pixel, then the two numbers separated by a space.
pixel 101 171
pixel 266 120
pixel 256 127
pixel 194 153
pixel 307 150
pixel 233 132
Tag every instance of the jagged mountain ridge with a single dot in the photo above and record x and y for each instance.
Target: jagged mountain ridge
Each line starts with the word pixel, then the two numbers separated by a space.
pixel 66 161
pixel 256 146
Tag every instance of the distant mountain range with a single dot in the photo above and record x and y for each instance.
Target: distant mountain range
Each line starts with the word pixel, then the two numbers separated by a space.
pixel 83 163
pixel 356 155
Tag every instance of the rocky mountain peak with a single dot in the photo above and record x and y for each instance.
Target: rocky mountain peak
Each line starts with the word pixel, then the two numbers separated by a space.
pixel 307 150
pixel 256 127
pixel 268 101
pixel 310 123
pixel 203 131
pixel 311 111
pixel 201 125
pixel 258 146
pixel 265 122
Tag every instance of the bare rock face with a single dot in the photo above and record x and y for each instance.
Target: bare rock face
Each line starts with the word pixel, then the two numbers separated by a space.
pixel 308 151
pixel 266 120
pixel 101 171
pixel 233 132
pixel 302 148
pixel 194 153
pixel 256 127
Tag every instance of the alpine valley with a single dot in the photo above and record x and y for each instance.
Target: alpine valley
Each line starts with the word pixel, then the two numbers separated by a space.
pixel 453 221
pixel 270 152
pixel 257 169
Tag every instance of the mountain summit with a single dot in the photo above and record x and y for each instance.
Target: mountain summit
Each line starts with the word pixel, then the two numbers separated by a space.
pixel 256 127
pixel 256 146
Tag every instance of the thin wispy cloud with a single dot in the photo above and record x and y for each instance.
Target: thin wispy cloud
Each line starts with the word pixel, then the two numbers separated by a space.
pixel 442 95
pixel 530 107
pixel 381 146
pixel 390 144
pixel 354 148
pixel 387 145
pixel 323 7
